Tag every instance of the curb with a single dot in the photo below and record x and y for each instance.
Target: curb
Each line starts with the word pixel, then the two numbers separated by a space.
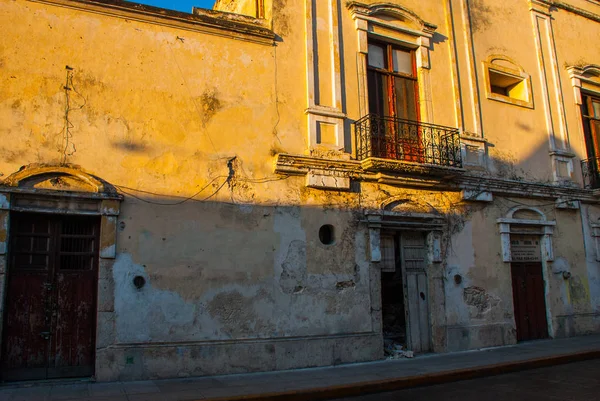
pixel 378 386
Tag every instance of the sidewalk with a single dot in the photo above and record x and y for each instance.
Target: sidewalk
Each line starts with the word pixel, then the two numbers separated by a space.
pixel 321 383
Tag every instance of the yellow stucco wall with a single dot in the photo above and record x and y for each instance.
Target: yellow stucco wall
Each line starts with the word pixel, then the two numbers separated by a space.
pixel 187 122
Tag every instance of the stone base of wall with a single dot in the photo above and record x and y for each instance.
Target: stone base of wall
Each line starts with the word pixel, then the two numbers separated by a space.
pixel 576 325
pixel 161 361
pixel 462 338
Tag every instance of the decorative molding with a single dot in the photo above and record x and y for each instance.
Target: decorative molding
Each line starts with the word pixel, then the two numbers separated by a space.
pixel 545 7
pixel 27 177
pixel 546 232
pixel 400 173
pixel 33 171
pixel 324 70
pixel 432 224
pixel 324 180
pixel 575 10
pixel 476 196
pixel 500 186
pixel 213 22
pixel 540 6
pixel 491 65
pixel 562 153
pixel 550 81
pixel 325 112
pixel 400 25
pixel 365 11
pixel 300 165
pixel 374 164
pixel 582 75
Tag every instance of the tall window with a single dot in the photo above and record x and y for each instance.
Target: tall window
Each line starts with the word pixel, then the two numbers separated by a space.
pixel 591 127
pixel 393 103
pixel 392 80
pixel 591 118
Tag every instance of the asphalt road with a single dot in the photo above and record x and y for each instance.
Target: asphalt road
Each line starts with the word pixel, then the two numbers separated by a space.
pixel 578 381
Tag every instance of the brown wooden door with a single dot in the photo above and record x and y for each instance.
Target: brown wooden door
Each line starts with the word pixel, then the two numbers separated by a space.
pixel 50 314
pixel 529 301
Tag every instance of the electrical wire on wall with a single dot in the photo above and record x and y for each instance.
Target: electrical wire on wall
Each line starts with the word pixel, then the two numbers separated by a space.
pixel 278 120
pixel 230 179
pixel 68 146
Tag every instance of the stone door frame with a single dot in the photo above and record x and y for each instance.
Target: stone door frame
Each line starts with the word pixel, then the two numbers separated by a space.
pixel 18 193
pixel 545 230
pixel 432 226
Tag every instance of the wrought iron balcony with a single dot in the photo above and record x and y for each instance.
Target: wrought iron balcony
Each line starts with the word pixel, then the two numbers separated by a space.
pixel 591 173
pixel 405 140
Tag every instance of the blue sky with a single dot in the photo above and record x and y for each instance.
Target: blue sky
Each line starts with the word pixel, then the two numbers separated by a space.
pixel 179 5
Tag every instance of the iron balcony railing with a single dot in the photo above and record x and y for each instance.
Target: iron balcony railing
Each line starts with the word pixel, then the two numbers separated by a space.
pixel 591 173
pixel 412 141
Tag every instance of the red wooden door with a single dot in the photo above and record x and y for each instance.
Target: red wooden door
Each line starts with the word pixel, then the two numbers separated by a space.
pixel 50 314
pixel 529 301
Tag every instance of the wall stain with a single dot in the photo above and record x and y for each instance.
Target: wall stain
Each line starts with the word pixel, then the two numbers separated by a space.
pixel 237 315
pixel 480 16
pixel 293 276
pixel 280 18
pixel 480 299
pixel 210 105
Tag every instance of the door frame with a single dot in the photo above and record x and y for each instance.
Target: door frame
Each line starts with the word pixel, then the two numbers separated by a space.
pixel 407 314
pixel 399 262
pixel 54 270
pixel 394 222
pixel 79 193
pixel 523 304
pixel 535 224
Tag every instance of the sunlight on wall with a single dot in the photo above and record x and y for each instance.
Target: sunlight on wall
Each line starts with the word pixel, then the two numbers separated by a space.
pixel 178 5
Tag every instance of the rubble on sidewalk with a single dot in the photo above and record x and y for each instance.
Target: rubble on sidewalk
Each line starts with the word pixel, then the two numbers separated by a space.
pixel 394 350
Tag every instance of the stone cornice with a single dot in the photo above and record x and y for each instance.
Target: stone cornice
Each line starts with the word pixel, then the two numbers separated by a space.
pixel 300 165
pixel 440 178
pixel 528 189
pixel 570 8
pixel 204 21
pixel 4 189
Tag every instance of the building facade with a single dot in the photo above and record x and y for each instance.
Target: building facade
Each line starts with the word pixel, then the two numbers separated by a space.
pixel 277 184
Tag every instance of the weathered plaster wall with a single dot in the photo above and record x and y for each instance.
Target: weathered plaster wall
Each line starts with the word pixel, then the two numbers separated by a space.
pixel 186 125
pixel 238 272
pixel 581 292
pixel 478 284
pixel 150 95
pixel 506 29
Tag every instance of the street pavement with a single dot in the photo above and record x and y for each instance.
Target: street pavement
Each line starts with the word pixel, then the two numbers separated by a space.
pixel 351 380
pixel 578 381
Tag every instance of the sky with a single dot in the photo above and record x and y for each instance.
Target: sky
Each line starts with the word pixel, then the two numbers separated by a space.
pixel 179 5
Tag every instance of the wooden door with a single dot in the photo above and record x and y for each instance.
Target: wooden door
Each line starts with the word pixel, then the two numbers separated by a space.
pixel 50 313
pixel 417 298
pixel 529 301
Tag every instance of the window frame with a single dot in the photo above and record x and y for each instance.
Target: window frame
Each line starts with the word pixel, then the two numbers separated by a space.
pixel 395 24
pixel 390 75
pixel 591 134
pixel 515 73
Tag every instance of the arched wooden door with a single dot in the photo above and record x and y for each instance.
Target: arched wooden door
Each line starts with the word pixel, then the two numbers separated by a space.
pixel 50 311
